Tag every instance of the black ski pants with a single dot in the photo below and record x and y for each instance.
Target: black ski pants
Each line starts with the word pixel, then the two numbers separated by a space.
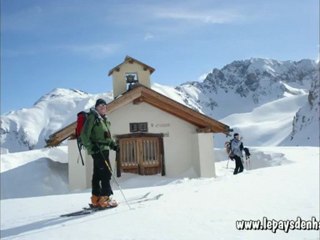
pixel 101 174
pixel 239 165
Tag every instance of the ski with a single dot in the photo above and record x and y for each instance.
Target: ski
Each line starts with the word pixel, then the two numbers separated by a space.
pixel 86 211
pixel 91 209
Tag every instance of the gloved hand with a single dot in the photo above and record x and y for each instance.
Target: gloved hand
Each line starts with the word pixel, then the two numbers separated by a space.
pixel 116 148
pixel 111 143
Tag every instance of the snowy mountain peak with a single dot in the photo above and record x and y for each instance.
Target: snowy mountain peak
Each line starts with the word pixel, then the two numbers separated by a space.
pixel 250 82
pixel 249 95
pixel 61 93
pixel 256 86
pixel 27 129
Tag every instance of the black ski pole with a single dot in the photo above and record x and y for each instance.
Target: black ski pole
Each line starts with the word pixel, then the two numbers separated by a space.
pixel 79 148
pixel 114 179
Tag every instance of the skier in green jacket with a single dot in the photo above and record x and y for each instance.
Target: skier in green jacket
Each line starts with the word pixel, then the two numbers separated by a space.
pixel 96 138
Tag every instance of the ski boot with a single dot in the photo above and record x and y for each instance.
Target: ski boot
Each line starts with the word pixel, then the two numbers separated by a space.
pixel 107 202
pixel 95 201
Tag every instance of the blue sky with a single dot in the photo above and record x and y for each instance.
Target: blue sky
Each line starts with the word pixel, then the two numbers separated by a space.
pixel 74 43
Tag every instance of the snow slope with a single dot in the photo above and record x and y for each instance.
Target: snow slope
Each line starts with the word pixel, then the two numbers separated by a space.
pixel 282 184
pixel 268 124
pixel 305 130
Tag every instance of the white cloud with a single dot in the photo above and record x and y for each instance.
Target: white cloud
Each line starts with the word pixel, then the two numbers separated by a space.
pixel 208 16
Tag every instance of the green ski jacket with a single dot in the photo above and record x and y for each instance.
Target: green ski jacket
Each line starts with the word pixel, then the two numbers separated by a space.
pixel 96 135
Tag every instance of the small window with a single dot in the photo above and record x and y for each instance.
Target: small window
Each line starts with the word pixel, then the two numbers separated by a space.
pixel 131 77
pixel 139 127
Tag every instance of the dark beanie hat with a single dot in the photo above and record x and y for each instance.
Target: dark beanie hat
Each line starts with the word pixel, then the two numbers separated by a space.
pixel 236 134
pixel 100 101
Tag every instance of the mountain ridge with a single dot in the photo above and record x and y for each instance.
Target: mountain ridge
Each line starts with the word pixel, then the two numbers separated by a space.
pixel 239 87
pixel 261 80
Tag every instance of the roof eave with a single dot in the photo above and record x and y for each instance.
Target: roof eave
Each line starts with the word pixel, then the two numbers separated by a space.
pixel 149 96
pixel 128 59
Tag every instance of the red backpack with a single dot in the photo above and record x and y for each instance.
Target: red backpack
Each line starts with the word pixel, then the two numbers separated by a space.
pixel 81 119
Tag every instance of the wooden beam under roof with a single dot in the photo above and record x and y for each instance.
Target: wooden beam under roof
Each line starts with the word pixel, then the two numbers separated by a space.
pixel 173 107
pixel 56 138
pixel 140 94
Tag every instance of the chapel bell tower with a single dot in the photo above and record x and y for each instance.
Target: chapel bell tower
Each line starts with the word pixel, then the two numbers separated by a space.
pixel 128 73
